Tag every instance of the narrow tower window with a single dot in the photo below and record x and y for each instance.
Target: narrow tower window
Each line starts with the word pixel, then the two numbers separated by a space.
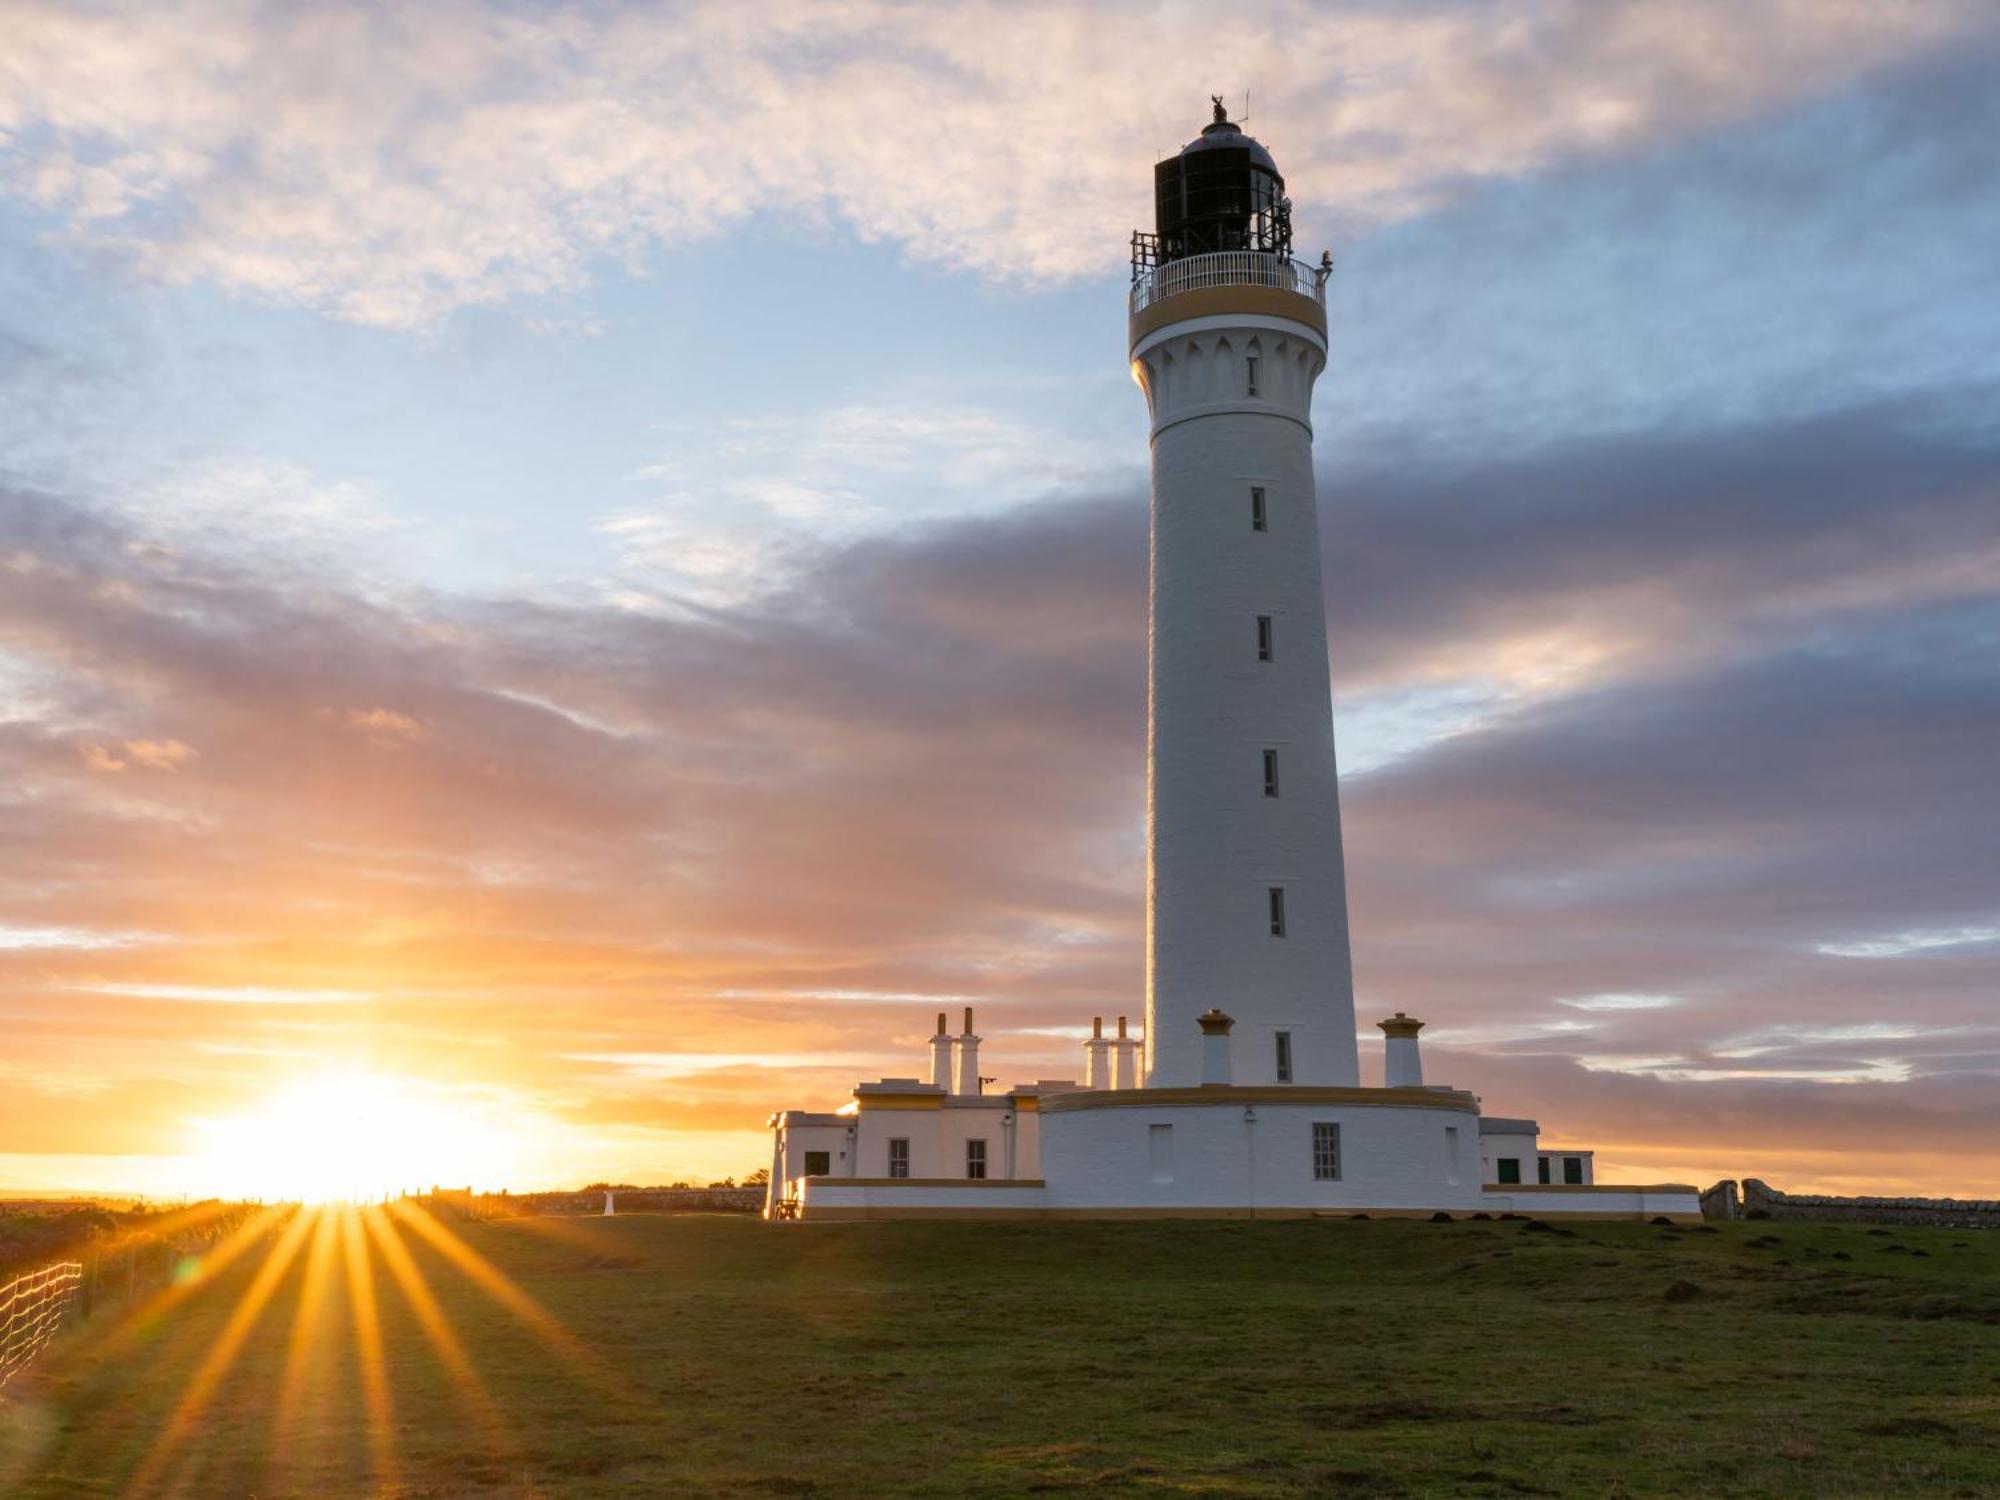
pixel 1259 521
pixel 1326 1151
pixel 1264 652
pixel 1270 773
pixel 1250 364
pixel 975 1159
pixel 1284 1057
pixel 1277 911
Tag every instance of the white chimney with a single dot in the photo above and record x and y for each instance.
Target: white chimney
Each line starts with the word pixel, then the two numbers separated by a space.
pixel 1401 1066
pixel 1214 1047
pixel 1124 1059
pixel 941 1057
pixel 965 1053
pixel 1095 1074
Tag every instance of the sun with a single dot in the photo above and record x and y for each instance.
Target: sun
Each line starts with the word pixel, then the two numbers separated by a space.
pixel 356 1137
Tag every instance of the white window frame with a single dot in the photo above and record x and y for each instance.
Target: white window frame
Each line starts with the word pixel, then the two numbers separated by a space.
pixel 1326 1151
pixel 899 1156
pixel 975 1157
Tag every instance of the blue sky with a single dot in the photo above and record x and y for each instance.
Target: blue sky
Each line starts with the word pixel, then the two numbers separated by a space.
pixel 613 513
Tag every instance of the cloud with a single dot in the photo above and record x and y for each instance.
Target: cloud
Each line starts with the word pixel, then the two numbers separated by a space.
pixel 388 166
pixel 1619 1002
pixel 1903 944
pixel 908 775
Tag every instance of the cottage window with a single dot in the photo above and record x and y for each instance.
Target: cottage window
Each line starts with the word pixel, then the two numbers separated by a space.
pixel 819 1164
pixel 1573 1171
pixel 1542 1170
pixel 975 1159
pixel 1160 1151
pixel 1326 1151
pixel 1510 1168
pixel 899 1157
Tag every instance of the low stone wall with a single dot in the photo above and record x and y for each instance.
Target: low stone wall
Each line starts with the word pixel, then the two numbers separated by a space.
pixel 739 1200
pixel 1760 1200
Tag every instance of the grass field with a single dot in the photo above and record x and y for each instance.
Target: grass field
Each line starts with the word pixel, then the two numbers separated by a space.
pixel 720 1356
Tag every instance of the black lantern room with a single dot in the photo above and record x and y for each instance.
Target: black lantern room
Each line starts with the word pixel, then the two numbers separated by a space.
pixel 1222 192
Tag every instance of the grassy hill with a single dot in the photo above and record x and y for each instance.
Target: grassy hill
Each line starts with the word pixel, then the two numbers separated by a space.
pixel 720 1356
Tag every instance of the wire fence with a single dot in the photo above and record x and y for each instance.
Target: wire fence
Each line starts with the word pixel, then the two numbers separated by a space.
pixel 32 1308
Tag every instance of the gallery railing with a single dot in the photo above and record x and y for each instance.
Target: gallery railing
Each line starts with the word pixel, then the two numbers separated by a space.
pixel 1227 268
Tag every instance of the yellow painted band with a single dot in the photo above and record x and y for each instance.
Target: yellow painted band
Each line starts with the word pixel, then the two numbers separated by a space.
pixel 1276 1093
pixel 1220 302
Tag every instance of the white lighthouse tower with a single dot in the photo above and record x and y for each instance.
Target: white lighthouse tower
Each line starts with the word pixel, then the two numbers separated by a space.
pixel 1250 1105
pixel 1246 900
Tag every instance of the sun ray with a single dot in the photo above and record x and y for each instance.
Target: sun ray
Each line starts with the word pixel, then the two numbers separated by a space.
pixel 436 1327
pixel 489 1279
pixel 375 1393
pixel 207 1268
pixel 305 1342
pixel 201 1386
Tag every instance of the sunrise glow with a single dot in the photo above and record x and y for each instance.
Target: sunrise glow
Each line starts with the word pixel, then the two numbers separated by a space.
pixel 356 1138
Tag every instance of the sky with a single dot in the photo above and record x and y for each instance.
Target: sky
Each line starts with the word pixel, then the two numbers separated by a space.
pixel 578 572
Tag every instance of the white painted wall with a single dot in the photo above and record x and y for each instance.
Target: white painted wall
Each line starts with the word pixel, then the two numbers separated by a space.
pixel 937 1138
pixel 1494 1146
pixel 1230 1154
pixel 1640 1202
pixel 1216 842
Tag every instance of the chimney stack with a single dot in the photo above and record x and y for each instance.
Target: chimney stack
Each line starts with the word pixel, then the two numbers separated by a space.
pixel 1124 1059
pixel 1214 1047
pixel 965 1054
pixel 1401 1066
pixel 941 1056
pixel 1095 1074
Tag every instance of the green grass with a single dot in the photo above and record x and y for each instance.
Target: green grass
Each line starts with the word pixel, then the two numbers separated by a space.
pixel 1380 1358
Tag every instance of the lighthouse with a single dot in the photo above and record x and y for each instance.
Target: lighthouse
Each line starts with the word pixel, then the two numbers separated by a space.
pixel 1246 897
pixel 1250 1104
